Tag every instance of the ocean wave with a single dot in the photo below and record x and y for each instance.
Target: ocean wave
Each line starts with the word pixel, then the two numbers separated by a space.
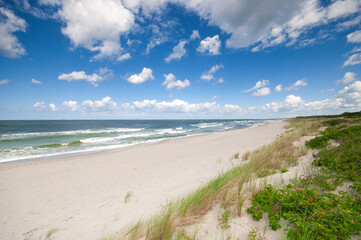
pixel 208 125
pixel 10 136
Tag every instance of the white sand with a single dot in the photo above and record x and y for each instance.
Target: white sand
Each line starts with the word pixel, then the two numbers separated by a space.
pixel 83 196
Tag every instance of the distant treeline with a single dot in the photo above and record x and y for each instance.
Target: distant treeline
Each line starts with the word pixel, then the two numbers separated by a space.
pixel 345 114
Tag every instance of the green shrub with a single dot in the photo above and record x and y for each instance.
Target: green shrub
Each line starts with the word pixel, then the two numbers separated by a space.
pixel 333 122
pixel 314 215
pixel 318 142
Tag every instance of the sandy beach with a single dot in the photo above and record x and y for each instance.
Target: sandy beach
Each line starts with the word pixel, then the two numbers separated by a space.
pixel 84 196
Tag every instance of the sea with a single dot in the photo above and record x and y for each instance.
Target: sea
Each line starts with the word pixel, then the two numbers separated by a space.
pixel 32 140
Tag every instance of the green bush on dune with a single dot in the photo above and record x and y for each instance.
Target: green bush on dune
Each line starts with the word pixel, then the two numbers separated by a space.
pixel 312 211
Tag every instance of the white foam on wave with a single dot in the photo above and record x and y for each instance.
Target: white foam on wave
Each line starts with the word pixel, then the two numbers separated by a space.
pixel 207 125
pixel 75 132
pixel 20 155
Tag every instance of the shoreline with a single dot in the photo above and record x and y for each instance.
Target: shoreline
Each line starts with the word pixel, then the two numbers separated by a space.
pixel 58 156
pixel 84 196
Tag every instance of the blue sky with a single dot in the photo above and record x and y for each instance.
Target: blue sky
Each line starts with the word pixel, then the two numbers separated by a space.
pixel 130 59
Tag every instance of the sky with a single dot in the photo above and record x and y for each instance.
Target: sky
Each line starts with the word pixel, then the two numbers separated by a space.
pixel 179 59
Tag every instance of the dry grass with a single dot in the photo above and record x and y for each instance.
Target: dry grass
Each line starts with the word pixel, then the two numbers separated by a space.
pixel 227 188
pixel 246 156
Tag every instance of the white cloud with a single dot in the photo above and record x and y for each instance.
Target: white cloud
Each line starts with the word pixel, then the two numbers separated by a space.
pixel 351 94
pixel 180 106
pixel 354 37
pixel 36 81
pixel 347 99
pixel 208 75
pixel 71 105
pixel 145 75
pixel 220 80
pixel 347 78
pixel 354 59
pixel 161 31
pixel 124 57
pixel 4 81
pixel 278 88
pixel 106 104
pixel 258 85
pixel 9 24
pixel 171 82
pixel 178 51
pixel 296 85
pixel 262 92
pixel 96 25
pixel 94 79
pixel 210 45
pixel 53 107
pixel 350 23
pixel 309 14
pixel 342 8
pixel 39 106
pixel 195 35
pixel 155 42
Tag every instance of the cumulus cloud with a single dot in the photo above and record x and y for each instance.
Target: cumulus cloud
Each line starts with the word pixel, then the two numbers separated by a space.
pixel 145 75
pixel 180 106
pixel 262 92
pixel 39 106
pixel 36 81
pixel 211 45
pixel 347 78
pixel 9 24
pixel 106 104
pixel 354 37
pixel 278 88
pixel 94 79
pixel 4 81
pixel 195 35
pixel 71 105
pixel 209 75
pixel 96 25
pixel 220 80
pixel 124 57
pixel 170 82
pixel 351 94
pixel 347 99
pixel 178 51
pixel 259 84
pixel 53 107
pixel 297 85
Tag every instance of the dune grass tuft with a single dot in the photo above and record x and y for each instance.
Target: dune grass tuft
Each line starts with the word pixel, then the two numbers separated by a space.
pixel 127 197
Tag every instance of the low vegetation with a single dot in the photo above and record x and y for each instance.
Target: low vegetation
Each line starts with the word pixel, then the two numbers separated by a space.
pixel 311 205
pixel 311 211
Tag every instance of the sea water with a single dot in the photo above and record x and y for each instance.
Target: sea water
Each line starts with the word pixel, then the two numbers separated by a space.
pixel 22 140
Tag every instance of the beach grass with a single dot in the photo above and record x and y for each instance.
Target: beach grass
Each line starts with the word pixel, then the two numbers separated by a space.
pixel 231 188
